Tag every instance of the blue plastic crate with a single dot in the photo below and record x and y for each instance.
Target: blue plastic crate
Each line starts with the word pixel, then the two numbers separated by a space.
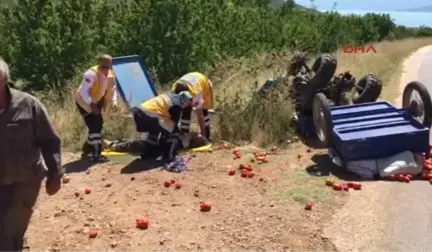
pixel 376 130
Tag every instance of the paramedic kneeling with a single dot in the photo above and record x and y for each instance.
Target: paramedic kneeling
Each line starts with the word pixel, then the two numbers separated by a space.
pixel 201 89
pixel 160 116
pixel 95 93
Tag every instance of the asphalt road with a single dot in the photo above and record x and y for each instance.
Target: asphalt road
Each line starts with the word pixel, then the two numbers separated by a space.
pixel 388 216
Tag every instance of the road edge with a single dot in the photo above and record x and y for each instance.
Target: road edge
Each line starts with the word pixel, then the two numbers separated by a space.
pixel 410 70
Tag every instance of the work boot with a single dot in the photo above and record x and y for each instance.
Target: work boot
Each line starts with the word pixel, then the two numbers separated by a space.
pixel 97 156
pixel 170 148
pixel 87 150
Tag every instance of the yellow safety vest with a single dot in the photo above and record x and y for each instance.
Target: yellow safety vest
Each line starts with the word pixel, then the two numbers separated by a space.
pixel 158 105
pixel 95 91
pixel 198 82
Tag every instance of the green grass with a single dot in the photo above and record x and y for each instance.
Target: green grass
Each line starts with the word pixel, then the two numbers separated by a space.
pixel 305 188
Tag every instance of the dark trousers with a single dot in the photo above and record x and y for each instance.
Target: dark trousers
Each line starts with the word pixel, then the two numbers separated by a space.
pixel 186 120
pixel 16 208
pixel 94 123
pixel 159 140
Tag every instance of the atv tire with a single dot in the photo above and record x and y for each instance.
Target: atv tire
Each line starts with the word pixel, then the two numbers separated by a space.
pixel 420 110
pixel 322 119
pixel 323 70
pixel 368 89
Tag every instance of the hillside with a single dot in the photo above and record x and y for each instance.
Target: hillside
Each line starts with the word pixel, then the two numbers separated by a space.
pixel 279 3
pixel 421 9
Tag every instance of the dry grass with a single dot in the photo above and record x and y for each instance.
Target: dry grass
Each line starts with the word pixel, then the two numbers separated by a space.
pixel 242 117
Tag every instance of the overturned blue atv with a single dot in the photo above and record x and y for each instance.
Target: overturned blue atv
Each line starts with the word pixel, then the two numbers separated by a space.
pixel 375 129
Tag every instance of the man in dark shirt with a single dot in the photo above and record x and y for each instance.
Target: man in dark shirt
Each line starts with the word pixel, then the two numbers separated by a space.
pixel 27 138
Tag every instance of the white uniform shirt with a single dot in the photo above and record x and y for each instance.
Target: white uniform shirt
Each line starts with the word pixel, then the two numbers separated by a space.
pixel 198 100
pixel 88 81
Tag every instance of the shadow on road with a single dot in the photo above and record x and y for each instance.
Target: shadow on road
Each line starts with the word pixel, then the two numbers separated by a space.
pixel 323 166
pixel 139 165
pixel 312 142
pixel 76 166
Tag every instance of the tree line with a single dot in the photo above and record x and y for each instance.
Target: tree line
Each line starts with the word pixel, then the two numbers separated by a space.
pixel 49 42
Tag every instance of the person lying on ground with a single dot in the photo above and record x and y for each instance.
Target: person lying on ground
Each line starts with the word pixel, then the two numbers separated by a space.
pixel 160 115
pixel 94 95
pixel 29 145
pixel 138 146
pixel 201 89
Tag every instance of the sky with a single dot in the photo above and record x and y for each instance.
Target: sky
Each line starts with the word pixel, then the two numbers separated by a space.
pixel 367 5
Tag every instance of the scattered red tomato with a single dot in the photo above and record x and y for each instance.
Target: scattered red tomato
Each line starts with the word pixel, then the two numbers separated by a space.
pixel 244 174
pixel 350 184
pixel 308 206
pixel 309 150
pixel 77 194
pixel 178 185
pixel 172 181
pixel 66 179
pixel 236 152
pixel 232 172
pixel 142 223
pixel 393 177
pixel 401 178
pixel 409 176
pixel 205 206
pixel 337 187
pixel 251 174
pixel 87 191
pixel 357 186
pixel 167 184
pixel 345 187
pixel 93 234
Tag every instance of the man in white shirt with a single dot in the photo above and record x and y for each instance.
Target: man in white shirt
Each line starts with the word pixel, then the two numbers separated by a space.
pixel 96 92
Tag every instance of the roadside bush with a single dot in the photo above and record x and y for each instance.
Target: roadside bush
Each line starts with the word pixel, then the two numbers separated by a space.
pixel 250 118
pixel 49 42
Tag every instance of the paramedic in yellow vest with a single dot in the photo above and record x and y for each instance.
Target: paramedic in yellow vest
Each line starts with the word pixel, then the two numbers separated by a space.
pixel 201 89
pixel 160 116
pixel 93 97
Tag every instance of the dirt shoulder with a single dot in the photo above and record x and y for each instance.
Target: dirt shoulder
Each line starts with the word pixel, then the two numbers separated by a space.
pixel 261 213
